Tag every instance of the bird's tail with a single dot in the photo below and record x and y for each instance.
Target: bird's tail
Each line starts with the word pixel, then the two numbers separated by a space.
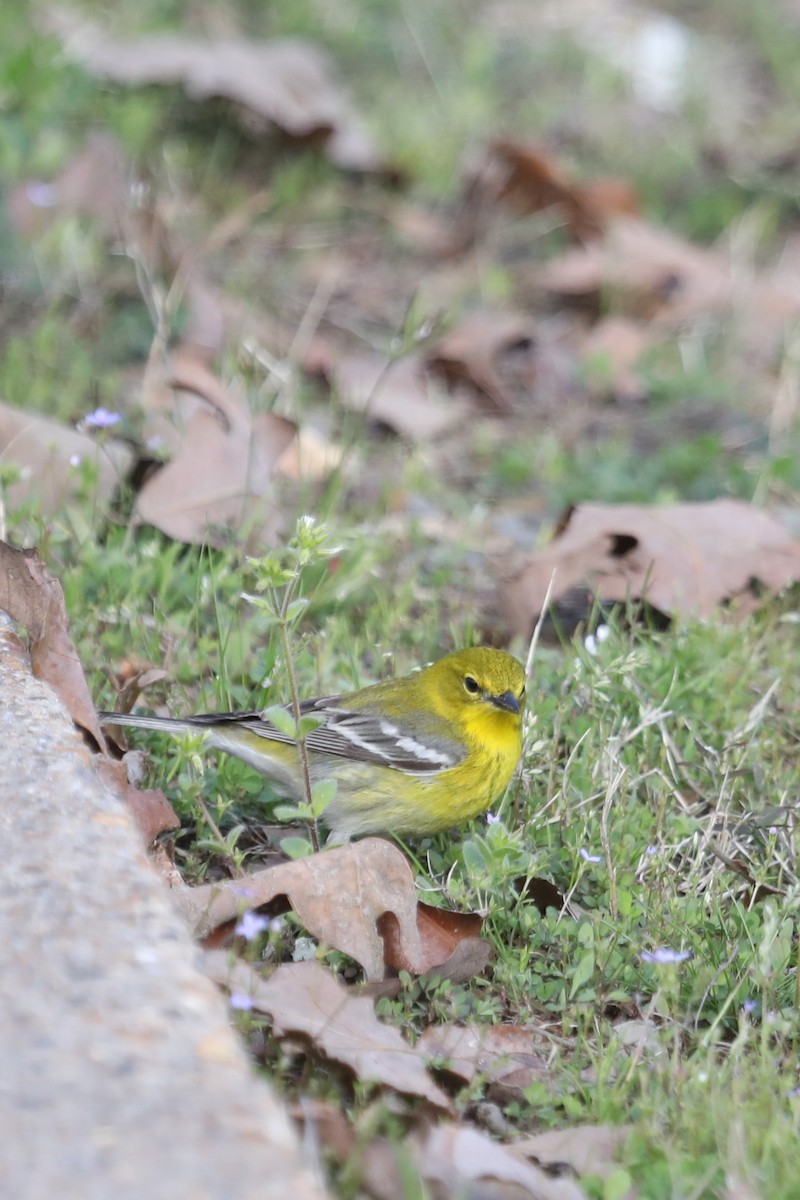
pixel 166 724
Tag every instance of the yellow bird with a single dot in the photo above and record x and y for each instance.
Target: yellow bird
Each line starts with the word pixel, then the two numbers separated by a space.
pixel 411 756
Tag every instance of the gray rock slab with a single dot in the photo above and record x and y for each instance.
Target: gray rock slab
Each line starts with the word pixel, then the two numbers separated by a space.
pixel 120 1076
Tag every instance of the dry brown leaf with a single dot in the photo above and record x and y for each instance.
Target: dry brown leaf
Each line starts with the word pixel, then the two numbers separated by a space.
pixel 464 1161
pixel 34 598
pixel 503 1055
pixel 608 198
pixel 49 455
pixel 376 918
pixel 650 273
pixel 472 354
pixel 340 896
pixel 399 395
pixel 286 83
pixel 131 679
pixel 31 596
pixel 643 267
pixel 587 1149
pixel 682 559
pixel 305 998
pixel 530 179
pixel 450 1160
pixel 221 475
pixel 151 811
pixel 440 930
pixel 470 958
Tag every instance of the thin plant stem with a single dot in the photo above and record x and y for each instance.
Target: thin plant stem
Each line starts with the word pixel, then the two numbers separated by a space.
pixel 283 625
pixel 233 866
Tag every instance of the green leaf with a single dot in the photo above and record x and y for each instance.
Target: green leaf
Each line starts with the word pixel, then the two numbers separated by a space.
pixel 617 1185
pixel 583 972
pixel 322 793
pixel 283 721
pixel 474 858
pixel 293 812
pixel 296 608
pixel 308 724
pixel 296 847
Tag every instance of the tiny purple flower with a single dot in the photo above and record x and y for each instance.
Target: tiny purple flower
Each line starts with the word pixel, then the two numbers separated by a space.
pixel 75 460
pixel 240 1001
pixel 102 418
pixel 250 925
pixel 749 1006
pixel 43 195
pixel 491 819
pixel 664 955
pixel 651 850
pixel 591 858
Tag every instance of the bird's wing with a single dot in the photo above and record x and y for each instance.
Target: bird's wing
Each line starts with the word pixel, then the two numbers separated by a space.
pixel 361 734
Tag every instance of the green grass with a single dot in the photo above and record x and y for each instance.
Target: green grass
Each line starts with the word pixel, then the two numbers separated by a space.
pixel 649 764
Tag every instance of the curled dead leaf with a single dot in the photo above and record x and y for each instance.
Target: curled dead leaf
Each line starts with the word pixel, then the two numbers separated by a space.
pixel 464 1161
pixel 471 957
pixel 34 598
pixel 376 918
pixel 475 352
pixel 220 477
pixel 400 395
pixel 504 1055
pixel 441 932
pixel 306 999
pixel 368 879
pixel 530 179
pixel 587 1149
pixel 285 83
pixel 682 559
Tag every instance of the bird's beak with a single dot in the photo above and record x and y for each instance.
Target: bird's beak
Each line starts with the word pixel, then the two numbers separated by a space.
pixel 507 700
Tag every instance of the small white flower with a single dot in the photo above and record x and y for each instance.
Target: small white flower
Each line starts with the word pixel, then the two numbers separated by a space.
pixel 590 858
pixel 663 955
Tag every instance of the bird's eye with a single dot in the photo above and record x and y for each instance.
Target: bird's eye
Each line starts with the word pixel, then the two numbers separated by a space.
pixel 471 685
